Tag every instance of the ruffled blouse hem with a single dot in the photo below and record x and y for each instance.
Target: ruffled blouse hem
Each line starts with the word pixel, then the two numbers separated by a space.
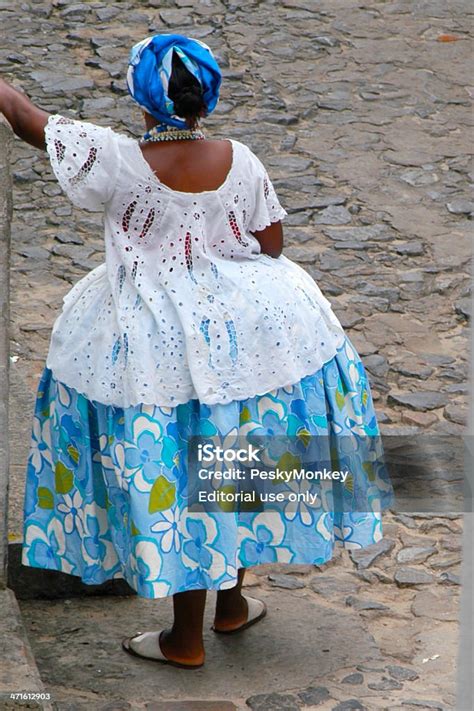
pixel 266 387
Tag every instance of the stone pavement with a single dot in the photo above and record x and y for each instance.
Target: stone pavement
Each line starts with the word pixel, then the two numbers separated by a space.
pixel 379 629
pixel 18 670
pixel 360 113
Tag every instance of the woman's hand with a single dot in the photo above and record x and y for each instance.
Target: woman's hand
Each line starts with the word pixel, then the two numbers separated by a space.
pixel 26 119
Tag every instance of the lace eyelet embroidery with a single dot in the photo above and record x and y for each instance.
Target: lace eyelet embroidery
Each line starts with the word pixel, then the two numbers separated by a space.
pixel 116 350
pixel 122 341
pixel 85 168
pixel 121 273
pixel 127 215
pixel 125 347
pixel 231 332
pixel 235 229
pixel 60 150
pixel 148 223
pixel 188 255
pixel 266 188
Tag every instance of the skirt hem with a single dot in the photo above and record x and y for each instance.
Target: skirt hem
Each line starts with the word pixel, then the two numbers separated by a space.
pixel 148 593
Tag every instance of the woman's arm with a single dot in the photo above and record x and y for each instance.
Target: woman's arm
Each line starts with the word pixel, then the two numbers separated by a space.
pixel 271 239
pixel 26 119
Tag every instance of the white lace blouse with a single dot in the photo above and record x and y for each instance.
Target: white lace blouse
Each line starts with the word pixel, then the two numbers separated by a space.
pixel 185 305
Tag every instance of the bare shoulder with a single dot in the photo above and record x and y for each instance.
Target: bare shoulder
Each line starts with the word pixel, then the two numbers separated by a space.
pixel 216 144
pixel 219 144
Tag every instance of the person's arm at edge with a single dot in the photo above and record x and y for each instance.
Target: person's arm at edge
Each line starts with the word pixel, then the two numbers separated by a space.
pixel 270 239
pixel 26 119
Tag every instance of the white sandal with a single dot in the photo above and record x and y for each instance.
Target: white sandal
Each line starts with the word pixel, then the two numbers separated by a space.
pixel 146 645
pixel 256 611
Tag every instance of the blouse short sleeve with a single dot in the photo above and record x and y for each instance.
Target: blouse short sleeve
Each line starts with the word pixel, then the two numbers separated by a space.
pixel 267 207
pixel 85 160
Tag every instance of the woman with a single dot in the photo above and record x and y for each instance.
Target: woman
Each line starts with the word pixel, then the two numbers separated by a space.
pixel 195 325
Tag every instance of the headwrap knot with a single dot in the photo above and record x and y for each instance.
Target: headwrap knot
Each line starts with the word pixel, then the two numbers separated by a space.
pixel 149 72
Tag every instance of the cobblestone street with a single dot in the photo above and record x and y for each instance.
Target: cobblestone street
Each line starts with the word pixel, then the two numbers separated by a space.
pixel 360 112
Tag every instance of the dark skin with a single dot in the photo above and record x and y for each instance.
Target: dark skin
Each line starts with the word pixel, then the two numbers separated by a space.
pixel 187 166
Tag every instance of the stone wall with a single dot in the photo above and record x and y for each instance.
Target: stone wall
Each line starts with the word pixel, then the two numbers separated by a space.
pixel 5 218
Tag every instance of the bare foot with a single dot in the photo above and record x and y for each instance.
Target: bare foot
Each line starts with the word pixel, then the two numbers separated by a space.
pixel 230 616
pixel 181 651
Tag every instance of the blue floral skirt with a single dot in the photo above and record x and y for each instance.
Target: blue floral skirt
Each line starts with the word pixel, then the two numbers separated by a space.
pixel 106 494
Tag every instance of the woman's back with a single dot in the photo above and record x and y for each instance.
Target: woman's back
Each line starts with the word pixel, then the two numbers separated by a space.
pixel 190 166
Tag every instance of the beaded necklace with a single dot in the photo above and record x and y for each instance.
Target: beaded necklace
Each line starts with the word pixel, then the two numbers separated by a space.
pixel 165 132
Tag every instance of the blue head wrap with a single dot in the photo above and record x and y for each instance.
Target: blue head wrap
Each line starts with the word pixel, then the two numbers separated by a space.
pixel 149 71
